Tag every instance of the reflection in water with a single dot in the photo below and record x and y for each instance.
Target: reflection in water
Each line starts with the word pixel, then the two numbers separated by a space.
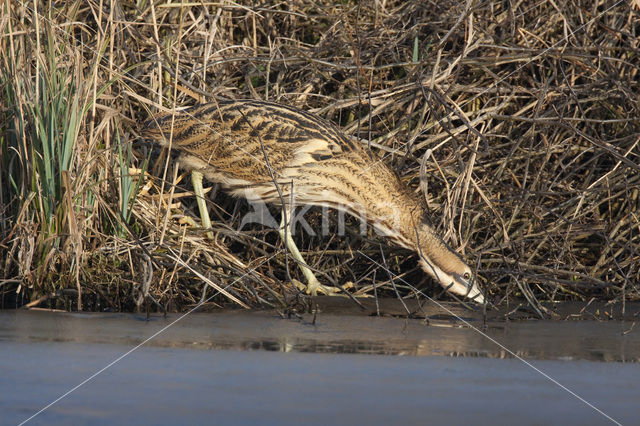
pixel 332 333
pixel 172 380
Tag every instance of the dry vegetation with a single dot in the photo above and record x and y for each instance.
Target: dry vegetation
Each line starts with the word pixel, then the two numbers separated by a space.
pixel 530 111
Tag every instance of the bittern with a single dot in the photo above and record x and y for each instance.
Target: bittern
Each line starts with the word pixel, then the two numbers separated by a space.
pixel 278 154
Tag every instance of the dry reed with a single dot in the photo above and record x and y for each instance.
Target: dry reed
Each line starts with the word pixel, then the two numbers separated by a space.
pixel 530 116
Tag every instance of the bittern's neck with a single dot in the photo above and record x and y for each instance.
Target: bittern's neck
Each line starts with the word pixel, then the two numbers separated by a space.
pixel 435 254
pixel 408 229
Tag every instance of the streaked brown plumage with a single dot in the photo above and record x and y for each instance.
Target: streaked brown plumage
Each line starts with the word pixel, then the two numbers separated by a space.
pixel 229 142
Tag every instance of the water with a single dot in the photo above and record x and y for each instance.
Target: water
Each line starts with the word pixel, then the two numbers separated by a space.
pixel 242 367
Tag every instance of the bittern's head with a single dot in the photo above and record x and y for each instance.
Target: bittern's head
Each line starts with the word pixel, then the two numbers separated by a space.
pixel 446 267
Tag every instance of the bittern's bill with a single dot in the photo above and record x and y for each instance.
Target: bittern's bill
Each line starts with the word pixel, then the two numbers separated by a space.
pixel 265 151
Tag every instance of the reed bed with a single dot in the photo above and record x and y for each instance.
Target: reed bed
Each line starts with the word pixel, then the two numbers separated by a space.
pixel 525 117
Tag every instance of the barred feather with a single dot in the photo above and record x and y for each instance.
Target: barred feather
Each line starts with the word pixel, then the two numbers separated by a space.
pixel 244 145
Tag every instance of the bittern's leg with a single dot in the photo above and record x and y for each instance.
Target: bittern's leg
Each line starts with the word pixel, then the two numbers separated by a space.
pixel 313 285
pixel 196 180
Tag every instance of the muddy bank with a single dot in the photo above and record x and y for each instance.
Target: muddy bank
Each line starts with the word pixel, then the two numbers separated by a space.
pixel 340 329
pixel 244 367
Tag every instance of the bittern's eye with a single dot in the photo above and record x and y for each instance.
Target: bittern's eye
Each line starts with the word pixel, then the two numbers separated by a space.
pixel 467 276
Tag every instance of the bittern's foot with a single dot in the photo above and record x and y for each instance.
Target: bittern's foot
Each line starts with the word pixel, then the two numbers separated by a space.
pixel 314 287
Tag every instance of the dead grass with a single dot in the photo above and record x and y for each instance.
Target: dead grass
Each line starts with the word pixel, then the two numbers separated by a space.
pixel 531 115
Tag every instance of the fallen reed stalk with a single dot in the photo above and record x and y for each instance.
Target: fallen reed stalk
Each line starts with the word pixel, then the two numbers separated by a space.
pixel 530 115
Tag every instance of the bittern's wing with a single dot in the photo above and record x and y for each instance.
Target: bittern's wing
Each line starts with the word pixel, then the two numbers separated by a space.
pixel 240 133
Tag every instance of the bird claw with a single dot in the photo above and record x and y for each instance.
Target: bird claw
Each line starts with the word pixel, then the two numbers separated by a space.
pixel 313 288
